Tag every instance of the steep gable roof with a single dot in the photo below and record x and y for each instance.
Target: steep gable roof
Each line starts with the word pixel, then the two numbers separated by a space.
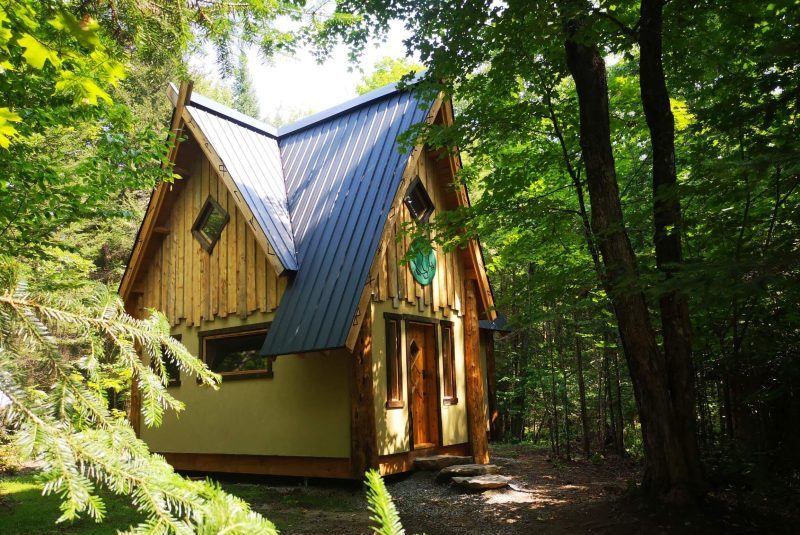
pixel 250 155
pixel 341 176
pixel 320 190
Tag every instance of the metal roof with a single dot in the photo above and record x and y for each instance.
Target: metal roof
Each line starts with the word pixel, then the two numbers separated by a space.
pixel 253 161
pixel 499 324
pixel 341 174
pixel 199 101
pixel 321 189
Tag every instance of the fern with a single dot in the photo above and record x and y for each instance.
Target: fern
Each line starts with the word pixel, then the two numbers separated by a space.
pixel 384 512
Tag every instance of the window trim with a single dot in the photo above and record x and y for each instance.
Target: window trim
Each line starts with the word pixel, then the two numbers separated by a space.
pixel 210 204
pixel 397 402
pixel 232 332
pixel 417 184
pixel 453 399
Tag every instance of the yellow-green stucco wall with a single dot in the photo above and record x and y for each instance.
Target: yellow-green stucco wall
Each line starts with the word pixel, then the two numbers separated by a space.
pixel 304 410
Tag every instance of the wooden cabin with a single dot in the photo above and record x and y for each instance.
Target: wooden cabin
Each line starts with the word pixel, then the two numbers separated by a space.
pixel 277 259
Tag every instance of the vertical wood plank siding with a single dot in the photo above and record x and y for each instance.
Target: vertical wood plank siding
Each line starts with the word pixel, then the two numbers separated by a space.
pixel 187 283
pixel 394 281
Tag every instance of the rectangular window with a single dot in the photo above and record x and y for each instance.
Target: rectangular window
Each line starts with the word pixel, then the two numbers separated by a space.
pixel 448 365
pixel 394 364
pixel 234 353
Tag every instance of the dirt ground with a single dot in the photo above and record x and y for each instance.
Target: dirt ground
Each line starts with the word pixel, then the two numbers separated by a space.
pixel 546 497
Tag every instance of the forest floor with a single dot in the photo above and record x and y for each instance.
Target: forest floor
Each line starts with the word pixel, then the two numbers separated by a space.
pixel 546 497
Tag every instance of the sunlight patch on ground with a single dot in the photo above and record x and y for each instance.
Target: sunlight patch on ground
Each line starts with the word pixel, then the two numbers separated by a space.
pixel 510 496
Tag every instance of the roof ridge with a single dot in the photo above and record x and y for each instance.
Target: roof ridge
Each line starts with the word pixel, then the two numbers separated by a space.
pixel 212 106
pixel 228 113
pixel 344 107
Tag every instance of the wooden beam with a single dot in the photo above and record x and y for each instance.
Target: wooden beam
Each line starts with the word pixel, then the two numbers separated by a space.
pixel 474 248
pixel 363 431
pixel 476 408
pixel 134 400
pixel 238 199
pixel 159 194
pixel 273 465
pixel 408 175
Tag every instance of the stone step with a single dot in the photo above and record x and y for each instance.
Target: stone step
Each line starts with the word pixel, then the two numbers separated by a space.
pixel 484 482
pixel 466 470
pixel 437 462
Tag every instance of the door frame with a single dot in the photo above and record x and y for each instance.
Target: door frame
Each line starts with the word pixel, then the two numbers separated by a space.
pixel 434 324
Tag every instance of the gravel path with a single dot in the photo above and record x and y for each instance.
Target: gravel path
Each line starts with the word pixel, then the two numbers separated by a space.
pixel 545 497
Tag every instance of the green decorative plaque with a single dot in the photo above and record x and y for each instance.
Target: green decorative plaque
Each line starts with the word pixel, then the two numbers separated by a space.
pixel 423 261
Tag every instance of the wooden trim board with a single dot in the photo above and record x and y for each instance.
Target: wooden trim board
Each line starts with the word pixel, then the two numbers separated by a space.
pixel 157 198
pixel 271 465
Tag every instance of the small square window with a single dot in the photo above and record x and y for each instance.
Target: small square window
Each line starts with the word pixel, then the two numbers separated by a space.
pixel 208 226
pixel 235 354
pixel 418 201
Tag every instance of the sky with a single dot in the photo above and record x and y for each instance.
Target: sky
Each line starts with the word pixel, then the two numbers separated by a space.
pixel 297 85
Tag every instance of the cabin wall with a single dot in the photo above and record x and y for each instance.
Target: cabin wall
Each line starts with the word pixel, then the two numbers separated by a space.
pixel 394 281
pixel 395 291
pixel 192 286
pixel 304 410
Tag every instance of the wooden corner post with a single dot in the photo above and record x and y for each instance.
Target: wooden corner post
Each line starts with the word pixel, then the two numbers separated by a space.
pixel 363 433
pixel 476 409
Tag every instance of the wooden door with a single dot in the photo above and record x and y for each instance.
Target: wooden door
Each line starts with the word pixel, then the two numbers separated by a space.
pixel 423 384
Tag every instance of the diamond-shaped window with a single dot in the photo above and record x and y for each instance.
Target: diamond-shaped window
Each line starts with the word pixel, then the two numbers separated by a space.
pixel 208 226
pixel 418 201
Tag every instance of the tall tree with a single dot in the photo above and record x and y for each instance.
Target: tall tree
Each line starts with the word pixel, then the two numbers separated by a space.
pixel 244 94
pixel 488 52
pixel 387 71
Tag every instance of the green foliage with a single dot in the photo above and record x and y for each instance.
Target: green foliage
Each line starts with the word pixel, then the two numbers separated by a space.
pixel 62 365
pixel 244 95
pixel 384 514
pixel 387 71
pixel 732 77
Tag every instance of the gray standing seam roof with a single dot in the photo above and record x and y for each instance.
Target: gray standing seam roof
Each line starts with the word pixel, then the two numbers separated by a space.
pixel 321 189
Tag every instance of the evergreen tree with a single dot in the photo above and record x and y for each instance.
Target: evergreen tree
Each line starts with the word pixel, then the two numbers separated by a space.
pixel 244 95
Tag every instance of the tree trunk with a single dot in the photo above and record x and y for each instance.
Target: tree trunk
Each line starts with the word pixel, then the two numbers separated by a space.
pixel 608 395
pixel 555 430
pixel 621 427
pixel 667 467
pixel 491 386
pixel 582 395
pixel 674 305
pixel 564 397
